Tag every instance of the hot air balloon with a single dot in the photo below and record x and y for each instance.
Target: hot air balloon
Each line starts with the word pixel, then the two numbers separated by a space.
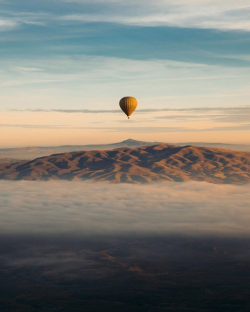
pixel 128 104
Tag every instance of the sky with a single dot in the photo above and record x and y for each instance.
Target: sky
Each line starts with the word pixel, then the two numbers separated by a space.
pixel 64 65
pixel 190 208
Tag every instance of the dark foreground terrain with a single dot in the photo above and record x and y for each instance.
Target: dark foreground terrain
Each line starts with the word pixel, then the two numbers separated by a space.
pixel 125 274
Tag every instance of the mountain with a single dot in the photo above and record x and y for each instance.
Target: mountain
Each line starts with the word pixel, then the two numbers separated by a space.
pixel 237 147
pixel 35 152
pixel 144 164
pixel 4 161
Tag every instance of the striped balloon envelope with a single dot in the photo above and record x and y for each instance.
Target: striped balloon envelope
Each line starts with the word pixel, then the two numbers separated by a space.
pixel 128 105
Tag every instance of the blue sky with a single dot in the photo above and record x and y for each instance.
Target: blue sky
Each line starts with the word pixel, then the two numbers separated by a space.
pixel 78 55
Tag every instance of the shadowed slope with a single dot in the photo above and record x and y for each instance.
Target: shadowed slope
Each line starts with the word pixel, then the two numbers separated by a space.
pixel 144 164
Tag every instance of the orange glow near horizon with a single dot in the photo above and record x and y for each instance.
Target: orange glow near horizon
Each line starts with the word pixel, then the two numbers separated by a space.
pixel 51 128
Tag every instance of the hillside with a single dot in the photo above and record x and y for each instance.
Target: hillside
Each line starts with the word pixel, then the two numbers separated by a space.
pixel 143 164
pixel 237 147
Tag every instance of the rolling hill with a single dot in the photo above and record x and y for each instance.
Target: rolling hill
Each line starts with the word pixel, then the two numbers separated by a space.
pixel 144 164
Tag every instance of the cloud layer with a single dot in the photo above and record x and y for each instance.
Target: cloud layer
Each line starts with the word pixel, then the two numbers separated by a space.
pixel 223 15
pixel 85 208
pixel 237 119
pixel 210 14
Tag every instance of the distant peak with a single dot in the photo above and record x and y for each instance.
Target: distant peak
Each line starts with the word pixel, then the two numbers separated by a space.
pixel 129 141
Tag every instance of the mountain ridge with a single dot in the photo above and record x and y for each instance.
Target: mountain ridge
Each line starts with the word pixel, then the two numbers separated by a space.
pixel 161 162
pixel 32 152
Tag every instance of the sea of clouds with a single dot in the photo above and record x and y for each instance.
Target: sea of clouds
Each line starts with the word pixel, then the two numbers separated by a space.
pixel 89 208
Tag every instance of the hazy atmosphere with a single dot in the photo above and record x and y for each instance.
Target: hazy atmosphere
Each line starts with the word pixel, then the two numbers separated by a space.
pixel 64 65
pixel 86 208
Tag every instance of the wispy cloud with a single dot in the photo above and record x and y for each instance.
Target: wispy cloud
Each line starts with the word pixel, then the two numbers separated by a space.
pixel 235 115
pixel 154 129
pixel 223 15
pixel 215 118
pixel 13 19
pixel 67 111
pixel 131 129
pixel 205 14
pixel 243 110
pixel 6 25
pixel 29 69
pixel 37 126
pixel 151 80
pixel 25 82
pixel 30 126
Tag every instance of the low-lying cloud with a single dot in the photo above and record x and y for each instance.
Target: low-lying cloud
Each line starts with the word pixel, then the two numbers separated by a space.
pixel 231 111
pixel 87 208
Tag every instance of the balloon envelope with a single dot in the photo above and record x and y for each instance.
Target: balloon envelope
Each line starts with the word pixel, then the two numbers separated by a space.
pixel 128 104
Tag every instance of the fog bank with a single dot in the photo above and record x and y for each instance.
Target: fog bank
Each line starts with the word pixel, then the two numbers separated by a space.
pixel 88 208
